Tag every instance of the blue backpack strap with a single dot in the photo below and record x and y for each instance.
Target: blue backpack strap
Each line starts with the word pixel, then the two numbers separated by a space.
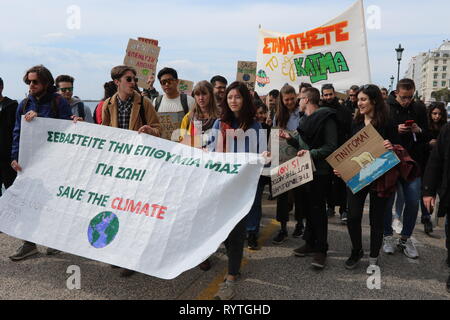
pixel 81 112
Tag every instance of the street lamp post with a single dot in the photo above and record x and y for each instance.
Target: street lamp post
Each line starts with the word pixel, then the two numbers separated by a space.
pixel 399 51
pixel 392 83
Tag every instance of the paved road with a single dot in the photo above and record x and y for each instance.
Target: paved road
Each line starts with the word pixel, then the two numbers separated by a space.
pixel 271 273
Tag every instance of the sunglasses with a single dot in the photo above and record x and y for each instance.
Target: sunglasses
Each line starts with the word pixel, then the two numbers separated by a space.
pixel 167 81
pixel 131 79
pixel 34 82
pixel 66 89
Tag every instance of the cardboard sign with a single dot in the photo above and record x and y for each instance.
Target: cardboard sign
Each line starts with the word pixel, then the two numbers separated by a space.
pixel 123 198
pixel 143 57
pixel 246 72
pixel 363 159
pixel 292 174
pixel 185 86
pixel 170 122
pixel 335 52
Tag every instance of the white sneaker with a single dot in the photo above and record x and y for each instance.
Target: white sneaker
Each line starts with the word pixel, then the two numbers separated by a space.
pixel 397 225
pixel 409 249
pixel 389 244
pixel 373 263
pixel 226 291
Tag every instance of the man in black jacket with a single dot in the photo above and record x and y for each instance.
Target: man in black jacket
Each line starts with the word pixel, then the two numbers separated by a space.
pixel 410 118
pixel 337 191
pixel 352 102
pixel 8 110
pixel 436 180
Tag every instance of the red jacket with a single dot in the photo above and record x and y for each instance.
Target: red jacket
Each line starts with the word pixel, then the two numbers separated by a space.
pixel 407 169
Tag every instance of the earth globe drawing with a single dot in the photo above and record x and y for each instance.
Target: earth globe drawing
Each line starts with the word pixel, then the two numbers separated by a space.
pixel 246 77
pixel 103 229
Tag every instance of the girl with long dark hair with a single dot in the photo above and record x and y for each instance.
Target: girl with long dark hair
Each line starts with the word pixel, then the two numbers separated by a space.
pixel 371 110
pixel 238 112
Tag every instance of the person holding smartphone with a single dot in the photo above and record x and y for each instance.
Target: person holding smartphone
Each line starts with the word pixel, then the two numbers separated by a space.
pixel 410 118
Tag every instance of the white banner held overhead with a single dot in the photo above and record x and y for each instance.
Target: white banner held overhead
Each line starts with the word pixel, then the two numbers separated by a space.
pixel 123 198
pixel 334 53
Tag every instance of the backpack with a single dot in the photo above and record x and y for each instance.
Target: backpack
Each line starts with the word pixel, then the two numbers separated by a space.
pixel 184 103
pixel 81 112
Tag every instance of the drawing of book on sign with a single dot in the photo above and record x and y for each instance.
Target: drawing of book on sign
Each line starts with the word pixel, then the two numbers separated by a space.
pixel 363 159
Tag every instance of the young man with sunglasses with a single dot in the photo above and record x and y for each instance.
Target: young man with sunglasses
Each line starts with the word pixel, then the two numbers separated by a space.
pixel 128 109
pixel 42 101
pixel 64 83
pixel 173 105
pixel 410 117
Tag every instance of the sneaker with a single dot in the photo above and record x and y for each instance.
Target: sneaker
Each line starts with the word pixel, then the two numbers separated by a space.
pixel 319 260
pixel 408 248
pixel 252 241
pixel 330 212
pixel 372 263
pixel 427 226
pixel 397 225
pixel 298 232
pixel 26 250
pixel 389 244
pixel 226 291
pixel 205 265
pixel 354 259
pixel 51 251
pixel 125 273
pixel 304 251
pixel 344 217
pixel 280 238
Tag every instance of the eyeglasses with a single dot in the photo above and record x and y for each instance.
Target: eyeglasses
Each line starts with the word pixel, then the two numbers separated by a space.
pixel 167 81
pixel 352 95
pixel 131 79
pixel 66 89
pixel 34 82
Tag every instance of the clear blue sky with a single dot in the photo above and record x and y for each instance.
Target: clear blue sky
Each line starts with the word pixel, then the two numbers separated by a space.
pixel 198 38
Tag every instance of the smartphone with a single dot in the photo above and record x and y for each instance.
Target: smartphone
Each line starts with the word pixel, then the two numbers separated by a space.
pixel 409 123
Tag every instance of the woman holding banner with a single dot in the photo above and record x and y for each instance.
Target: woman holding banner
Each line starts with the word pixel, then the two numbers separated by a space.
pixel 287 118
pixel 204 112
pixel 372 109
pixel 238 113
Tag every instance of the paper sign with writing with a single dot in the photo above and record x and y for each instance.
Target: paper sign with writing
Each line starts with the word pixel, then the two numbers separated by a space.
pixel 126 199
pixel 147 40
pixel 143 57
pixel 170 122
pixel 335 52
pixel 246 72
pixel 363 159
pixel 292 174
pixel 185 86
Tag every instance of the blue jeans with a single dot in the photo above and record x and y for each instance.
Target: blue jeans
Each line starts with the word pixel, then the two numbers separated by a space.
pixel 399 203
pixel 412 192
pixel 254 216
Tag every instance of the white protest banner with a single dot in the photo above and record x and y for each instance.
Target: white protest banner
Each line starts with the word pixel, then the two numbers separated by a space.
pixel 292 174
pixel 126 199
pixel 334 53
pixel 143 56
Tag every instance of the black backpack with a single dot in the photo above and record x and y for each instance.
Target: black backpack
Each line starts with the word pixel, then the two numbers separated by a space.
pixel 184 103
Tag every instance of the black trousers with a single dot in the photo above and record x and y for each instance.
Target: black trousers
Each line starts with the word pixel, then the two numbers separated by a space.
pixel 283 205
pixel 337 194
pixel 377 210
pixel 316 229
pixel 7 175
pixel 235 247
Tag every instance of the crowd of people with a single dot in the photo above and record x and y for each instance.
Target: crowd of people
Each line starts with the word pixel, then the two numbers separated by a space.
pixel 309 121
